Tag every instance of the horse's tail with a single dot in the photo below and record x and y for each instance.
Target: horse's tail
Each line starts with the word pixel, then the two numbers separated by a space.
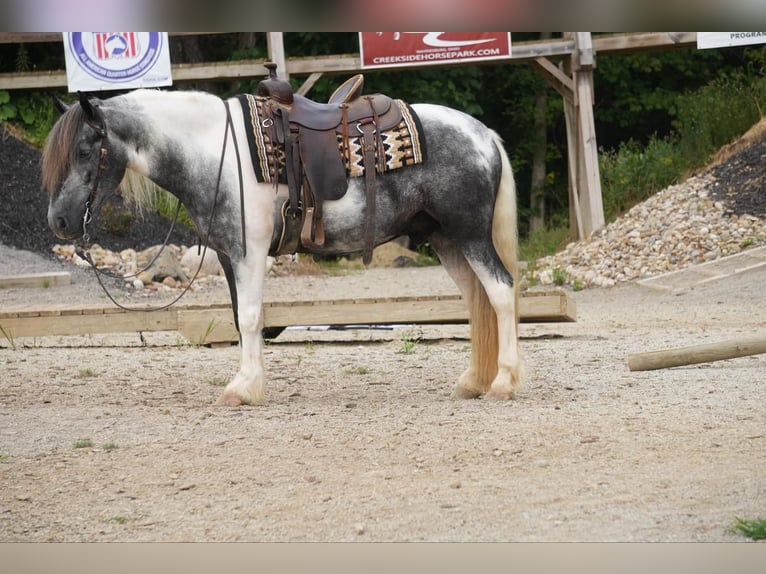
pixel 505 239
pixel 504 224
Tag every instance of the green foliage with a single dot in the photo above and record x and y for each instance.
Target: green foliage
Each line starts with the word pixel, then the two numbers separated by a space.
pixel 116 219
pixel 33 112
pixel 755 529
pixel 543 242
pixel 633 173
pixel 719 112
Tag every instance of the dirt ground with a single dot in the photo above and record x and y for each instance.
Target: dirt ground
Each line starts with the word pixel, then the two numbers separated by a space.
pixel 108 438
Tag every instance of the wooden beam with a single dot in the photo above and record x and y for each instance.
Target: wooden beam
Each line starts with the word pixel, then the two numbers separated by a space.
pixel 215 323
pixel 35 280
pixel 696 354
pixel 341 63
pixel 560 82
pixel 309 83
pixel 37 37
pixel 634 42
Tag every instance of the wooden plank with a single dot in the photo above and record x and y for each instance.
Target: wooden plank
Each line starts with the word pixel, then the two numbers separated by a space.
pixel 694 354
pixel 35 280
pixel 207 326
pixel 211 324
pixel 86 324
pixel 637 41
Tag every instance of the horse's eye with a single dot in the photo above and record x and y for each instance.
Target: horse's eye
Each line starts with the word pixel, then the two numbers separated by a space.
pixel 84 152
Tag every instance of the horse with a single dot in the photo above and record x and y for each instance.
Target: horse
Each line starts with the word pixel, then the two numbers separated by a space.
pixel 461 199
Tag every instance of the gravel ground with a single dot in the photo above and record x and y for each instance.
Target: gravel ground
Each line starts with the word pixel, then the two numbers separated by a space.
pixel 112 439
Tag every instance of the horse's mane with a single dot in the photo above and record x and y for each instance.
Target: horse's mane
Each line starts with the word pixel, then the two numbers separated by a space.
pixel 59 148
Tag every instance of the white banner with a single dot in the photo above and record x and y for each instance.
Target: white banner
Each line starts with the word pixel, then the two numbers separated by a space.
pixel 97 61
pixel 726 39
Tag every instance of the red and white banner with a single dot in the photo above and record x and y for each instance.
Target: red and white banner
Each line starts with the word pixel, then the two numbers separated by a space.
pixel 397 49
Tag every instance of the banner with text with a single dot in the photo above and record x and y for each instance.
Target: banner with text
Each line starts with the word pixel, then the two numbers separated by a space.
pixel 398 49
pixel 98 61
pixel 727 39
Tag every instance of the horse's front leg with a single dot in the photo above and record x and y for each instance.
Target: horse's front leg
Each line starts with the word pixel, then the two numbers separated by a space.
pixel 248 387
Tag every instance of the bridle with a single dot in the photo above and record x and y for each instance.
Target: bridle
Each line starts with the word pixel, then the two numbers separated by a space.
pixel 103 153
pixel 93 201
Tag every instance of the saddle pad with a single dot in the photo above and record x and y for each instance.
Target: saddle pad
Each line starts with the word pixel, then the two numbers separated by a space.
pixel 403 145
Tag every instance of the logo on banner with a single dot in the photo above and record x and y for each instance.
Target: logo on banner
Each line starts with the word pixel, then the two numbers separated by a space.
pixel 115 45
pixel 115 56
pixel 386 49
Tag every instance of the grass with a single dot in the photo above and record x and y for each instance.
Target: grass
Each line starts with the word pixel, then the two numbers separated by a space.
pixel 117 519
pixel 542 243
pixel 755 529
pixel 408 345
pixel 358 371
pixel 218 381
pixel 4 458
pixel 109 446
pixel 82 443
pixel 86 374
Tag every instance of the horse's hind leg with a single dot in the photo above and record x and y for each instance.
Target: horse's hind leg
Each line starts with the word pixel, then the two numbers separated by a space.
pixel 474 381
pixel 496 367
pixel 510 366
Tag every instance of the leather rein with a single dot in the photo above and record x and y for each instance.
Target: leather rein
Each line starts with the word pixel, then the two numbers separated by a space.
pixel 93 202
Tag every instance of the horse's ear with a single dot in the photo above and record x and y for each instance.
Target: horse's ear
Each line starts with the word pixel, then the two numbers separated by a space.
pixel 60 105
pixel 87 108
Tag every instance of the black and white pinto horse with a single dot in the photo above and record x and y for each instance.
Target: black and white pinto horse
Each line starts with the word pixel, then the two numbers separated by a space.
pixel 462 199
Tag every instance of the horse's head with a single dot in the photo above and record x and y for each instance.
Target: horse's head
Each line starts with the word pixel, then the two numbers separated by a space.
pixel 78 165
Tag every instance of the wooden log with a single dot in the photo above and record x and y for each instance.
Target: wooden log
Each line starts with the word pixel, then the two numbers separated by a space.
pixel 706 353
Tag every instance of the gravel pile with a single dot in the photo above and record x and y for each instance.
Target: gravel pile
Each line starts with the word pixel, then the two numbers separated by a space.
pixel 720 212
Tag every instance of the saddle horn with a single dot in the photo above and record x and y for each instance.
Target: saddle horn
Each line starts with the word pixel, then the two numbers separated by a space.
pixel 274 88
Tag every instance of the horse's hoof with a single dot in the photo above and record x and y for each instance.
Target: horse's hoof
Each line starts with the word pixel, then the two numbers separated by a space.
pixel 500 395
pixel 229 400
pixel 465 393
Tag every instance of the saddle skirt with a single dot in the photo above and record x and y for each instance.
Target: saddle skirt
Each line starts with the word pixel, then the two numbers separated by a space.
pixel 403 145
pixel 316 148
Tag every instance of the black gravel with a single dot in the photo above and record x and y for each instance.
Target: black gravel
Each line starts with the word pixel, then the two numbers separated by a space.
pixel 742 180
pixel 24 207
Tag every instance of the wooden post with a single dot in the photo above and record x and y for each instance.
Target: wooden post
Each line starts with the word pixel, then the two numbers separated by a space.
pixel 586 210
pixel 696 354
pixel 589 180
pixel 276 47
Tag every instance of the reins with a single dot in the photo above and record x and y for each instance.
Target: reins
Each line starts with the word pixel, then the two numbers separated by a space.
pixel 91 204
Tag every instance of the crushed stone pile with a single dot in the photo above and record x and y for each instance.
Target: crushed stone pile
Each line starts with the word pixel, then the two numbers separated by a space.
pixel 719 212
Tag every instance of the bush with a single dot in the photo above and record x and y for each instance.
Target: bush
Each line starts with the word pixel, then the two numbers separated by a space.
pixel 632 174
pixel 717 114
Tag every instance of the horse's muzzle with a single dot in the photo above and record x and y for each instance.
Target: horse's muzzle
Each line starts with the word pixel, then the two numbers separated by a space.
pixel 63 228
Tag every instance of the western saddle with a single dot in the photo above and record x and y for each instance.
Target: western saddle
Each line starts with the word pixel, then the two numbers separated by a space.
pixel 315 138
